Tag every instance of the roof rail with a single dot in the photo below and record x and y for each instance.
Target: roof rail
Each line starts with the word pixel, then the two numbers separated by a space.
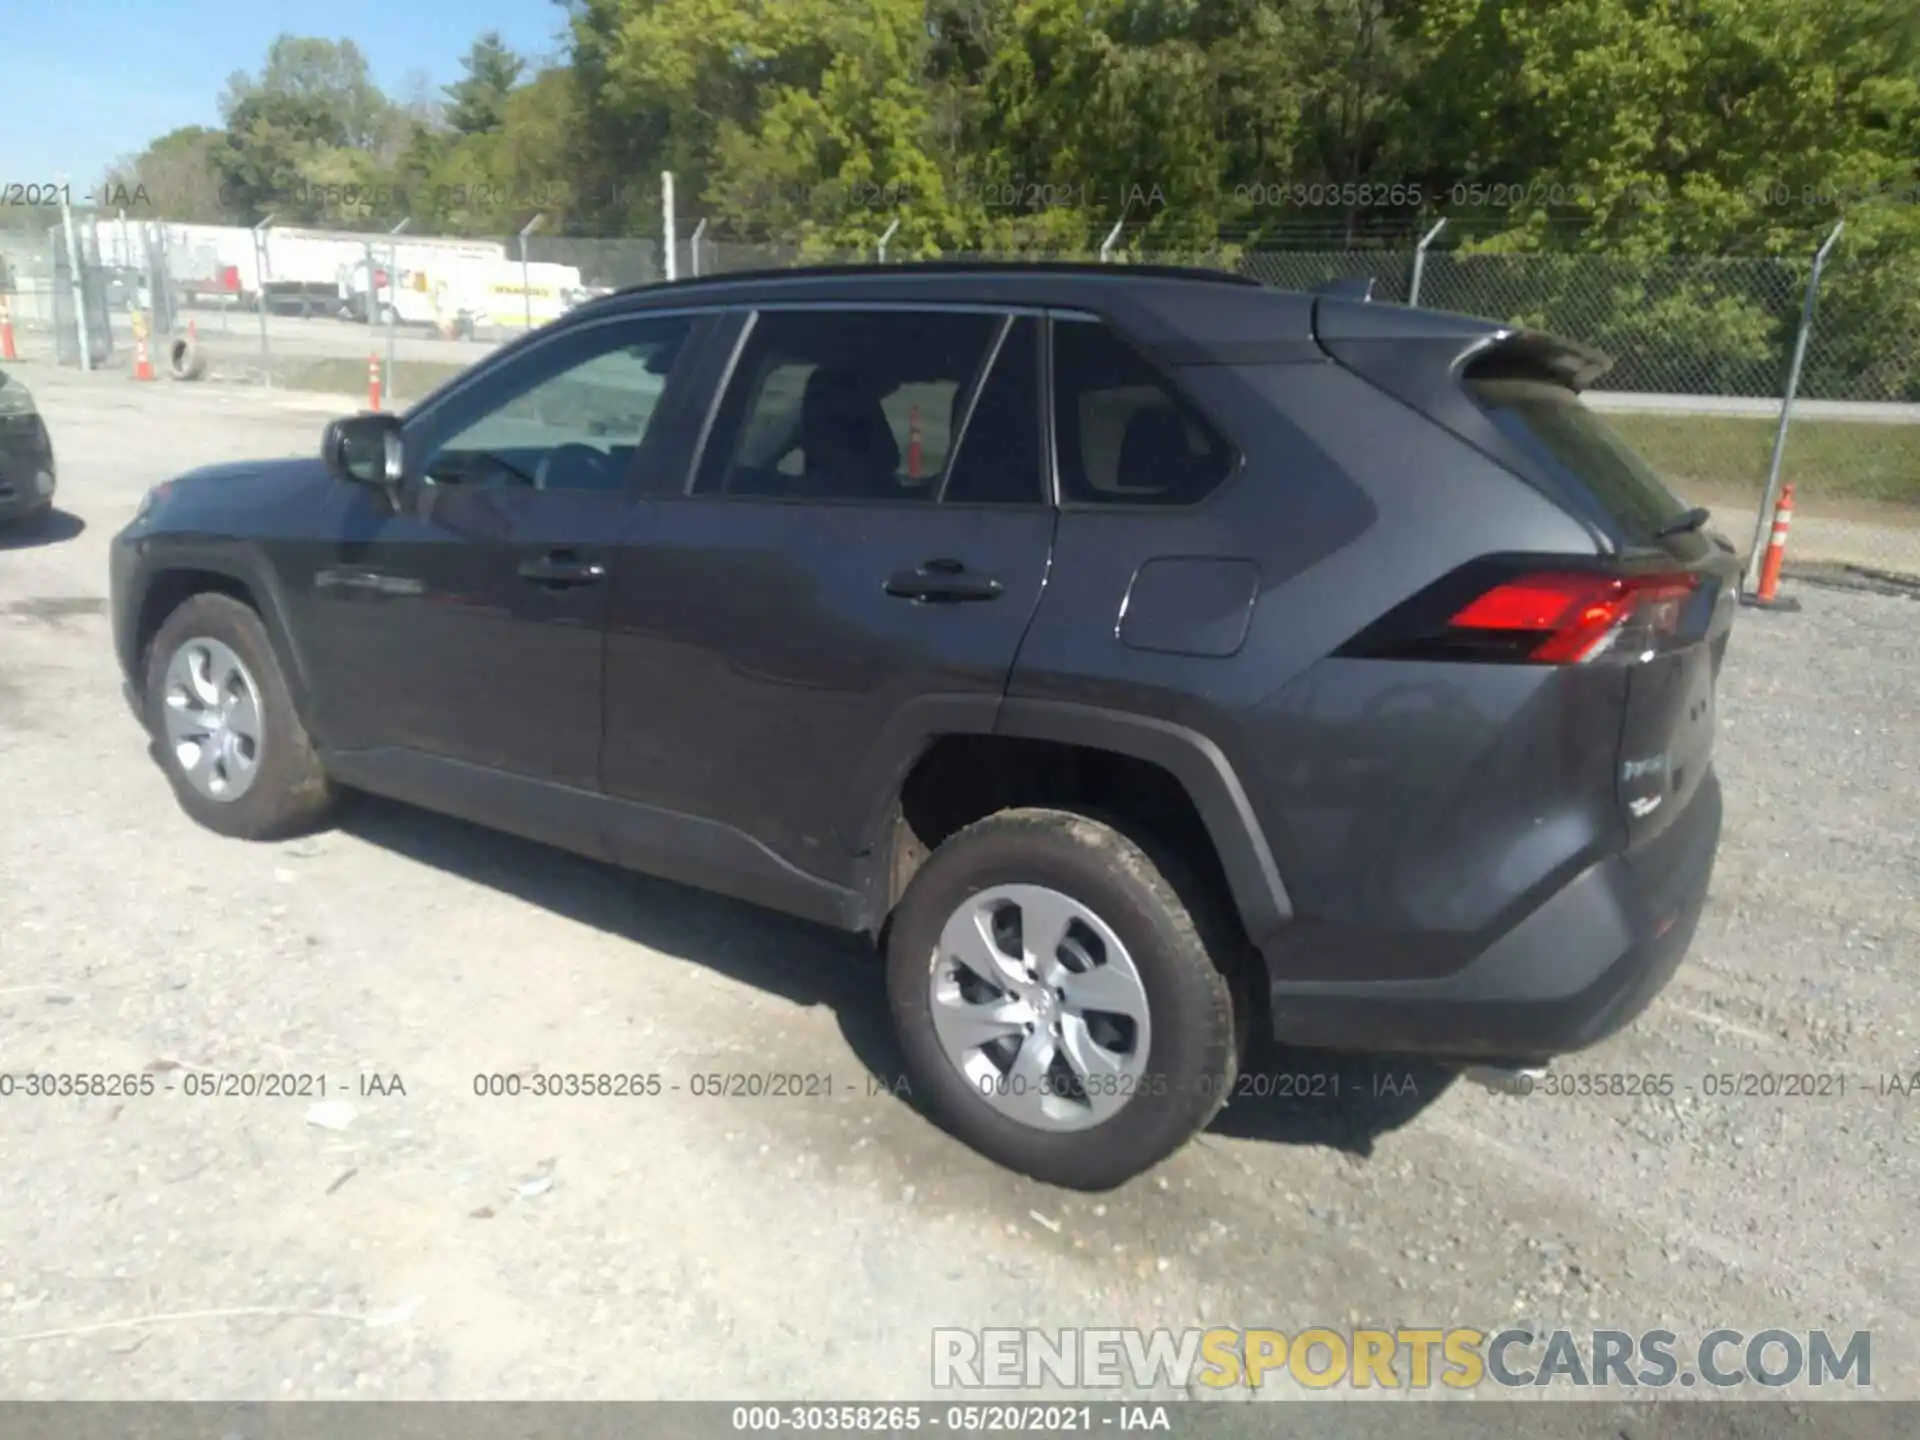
pixel 956 267
pixel 1347 287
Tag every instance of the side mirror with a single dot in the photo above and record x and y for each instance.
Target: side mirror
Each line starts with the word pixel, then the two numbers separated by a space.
pixel 365 449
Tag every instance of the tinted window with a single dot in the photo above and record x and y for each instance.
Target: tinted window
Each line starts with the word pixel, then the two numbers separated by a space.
pixel 1000 461
pixel 567 416
pixel 845 405
pixel 1551 424
pixel 1124 438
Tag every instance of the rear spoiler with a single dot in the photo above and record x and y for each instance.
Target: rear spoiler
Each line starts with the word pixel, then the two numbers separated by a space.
pixel 1534 354
pixel 1364 336
pixel 1427 360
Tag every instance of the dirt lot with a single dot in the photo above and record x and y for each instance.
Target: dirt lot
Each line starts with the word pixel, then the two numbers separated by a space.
pixel 445 1245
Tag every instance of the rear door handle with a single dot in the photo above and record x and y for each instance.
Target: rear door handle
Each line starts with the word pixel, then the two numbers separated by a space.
pixel 562 570
pixel 942 582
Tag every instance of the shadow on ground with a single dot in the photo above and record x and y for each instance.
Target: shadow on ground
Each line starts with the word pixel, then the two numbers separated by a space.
pixel 1282 1097
pixel 50 527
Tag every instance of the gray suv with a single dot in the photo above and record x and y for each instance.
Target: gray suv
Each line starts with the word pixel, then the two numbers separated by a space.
pixel 1148 660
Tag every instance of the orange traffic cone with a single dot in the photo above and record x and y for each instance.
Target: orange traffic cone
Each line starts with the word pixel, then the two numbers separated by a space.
pixel 373 380
pixel 142 362
pixel 7 350
pixel 913 443
pixel 1768 597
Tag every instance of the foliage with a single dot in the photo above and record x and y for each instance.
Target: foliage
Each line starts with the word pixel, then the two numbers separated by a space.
pixel 1636 129
pixel 477 105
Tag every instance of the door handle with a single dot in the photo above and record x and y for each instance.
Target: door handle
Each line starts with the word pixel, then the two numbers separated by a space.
pixel 942 582
pixel 561 570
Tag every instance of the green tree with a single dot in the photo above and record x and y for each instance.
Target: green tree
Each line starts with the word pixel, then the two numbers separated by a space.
pixel 324 76
pixel 477 104
pixel 274 142
pixel 179 173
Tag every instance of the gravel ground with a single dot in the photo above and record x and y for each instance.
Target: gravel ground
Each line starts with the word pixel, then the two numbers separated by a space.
pixel 444 1245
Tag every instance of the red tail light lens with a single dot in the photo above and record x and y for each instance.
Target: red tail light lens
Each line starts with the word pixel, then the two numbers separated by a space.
pixel 1571 618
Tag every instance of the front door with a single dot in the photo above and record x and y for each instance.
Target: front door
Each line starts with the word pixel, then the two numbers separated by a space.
pixel 467 622
pixel 868 525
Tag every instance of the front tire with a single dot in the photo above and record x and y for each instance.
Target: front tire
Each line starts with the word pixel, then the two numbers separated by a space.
pixel 1060 997
pixel 224 727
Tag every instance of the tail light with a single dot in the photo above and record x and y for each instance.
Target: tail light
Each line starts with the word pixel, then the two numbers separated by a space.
pixel 1570 619
pixel 1535 617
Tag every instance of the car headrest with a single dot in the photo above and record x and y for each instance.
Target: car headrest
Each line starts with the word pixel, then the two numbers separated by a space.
pixel 842 427
pixel 1153 451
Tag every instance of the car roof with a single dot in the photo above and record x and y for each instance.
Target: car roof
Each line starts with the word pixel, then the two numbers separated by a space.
pixel 943 269
pixel 1183 316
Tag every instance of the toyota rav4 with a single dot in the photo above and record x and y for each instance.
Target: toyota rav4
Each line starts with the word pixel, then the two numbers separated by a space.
pixel 1140 656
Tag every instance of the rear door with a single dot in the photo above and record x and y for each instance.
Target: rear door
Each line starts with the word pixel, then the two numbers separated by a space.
pixel 868 526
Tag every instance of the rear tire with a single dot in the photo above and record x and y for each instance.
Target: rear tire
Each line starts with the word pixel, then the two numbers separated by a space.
pixel 1149 937
pixel 211 671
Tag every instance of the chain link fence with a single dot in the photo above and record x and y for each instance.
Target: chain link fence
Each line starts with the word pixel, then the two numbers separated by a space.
pixel 1701 344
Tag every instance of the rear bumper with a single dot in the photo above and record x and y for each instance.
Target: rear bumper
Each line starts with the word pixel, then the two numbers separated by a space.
pixel 1581 966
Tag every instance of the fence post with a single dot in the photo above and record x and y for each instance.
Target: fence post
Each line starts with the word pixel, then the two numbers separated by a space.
pixel 1113 238
pixel 393 305
pixel 153 250
pixel 693 248
pixel 886 235
pixel 77 278
pixel 1420 260
pixel 1770 497
pixel 526 280
pixel 666 216
pixel 260 298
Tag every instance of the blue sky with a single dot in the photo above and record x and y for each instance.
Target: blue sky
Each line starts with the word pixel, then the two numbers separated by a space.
pixel 83 82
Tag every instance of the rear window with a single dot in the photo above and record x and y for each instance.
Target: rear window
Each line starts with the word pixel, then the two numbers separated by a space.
pixel 1550 423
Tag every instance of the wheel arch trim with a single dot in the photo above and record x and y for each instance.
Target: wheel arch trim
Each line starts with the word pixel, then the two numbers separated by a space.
pixel 1203 770
pixel 1199 766
pixel 244 566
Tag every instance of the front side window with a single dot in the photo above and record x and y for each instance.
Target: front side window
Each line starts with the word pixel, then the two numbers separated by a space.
pixel 1123 436
pixel 830 405
pixel 570 415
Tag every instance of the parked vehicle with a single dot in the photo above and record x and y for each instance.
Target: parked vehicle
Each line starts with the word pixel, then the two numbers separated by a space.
pixel 128 289
pixel 304 298
pixel 1141 656
pixel 28 476
pixel 416 281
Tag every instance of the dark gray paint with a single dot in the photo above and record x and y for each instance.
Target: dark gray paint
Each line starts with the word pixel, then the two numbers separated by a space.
pixel 1408 843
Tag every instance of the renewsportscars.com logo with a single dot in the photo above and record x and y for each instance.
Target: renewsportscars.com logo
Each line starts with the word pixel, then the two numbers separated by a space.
pixel 1407 1358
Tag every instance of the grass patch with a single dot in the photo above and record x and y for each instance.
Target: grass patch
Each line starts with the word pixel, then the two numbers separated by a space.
pixel 1826 459
pixel 345 375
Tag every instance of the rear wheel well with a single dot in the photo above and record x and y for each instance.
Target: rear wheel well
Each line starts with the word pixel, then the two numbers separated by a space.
pixel 170 590
pixel 964 778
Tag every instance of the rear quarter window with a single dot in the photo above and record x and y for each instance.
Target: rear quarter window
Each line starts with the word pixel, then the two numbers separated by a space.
pixel 1123 436
pixel 1553 426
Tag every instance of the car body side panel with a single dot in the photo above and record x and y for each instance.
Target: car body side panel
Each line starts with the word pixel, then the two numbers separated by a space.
pixel 754 658
pixel 1363 781
pixel 253 524
pixel 1429 854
